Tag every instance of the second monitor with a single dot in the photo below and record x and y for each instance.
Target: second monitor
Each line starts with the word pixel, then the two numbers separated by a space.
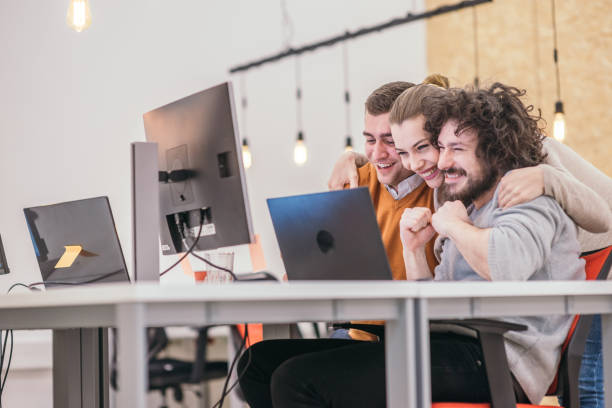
pixel 201 175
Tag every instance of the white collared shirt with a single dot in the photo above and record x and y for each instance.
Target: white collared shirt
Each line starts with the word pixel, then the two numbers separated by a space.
pixel 405 187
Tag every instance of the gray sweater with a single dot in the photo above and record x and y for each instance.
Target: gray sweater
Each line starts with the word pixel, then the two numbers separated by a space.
pixel 531 241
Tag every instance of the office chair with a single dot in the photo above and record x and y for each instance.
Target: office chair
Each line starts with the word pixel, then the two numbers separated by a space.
pixel 490 333
pixel 171 373
pixel 565 384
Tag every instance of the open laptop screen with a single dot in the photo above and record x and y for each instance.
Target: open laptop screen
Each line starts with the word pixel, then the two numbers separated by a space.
pixel 329 236
pixel 76 242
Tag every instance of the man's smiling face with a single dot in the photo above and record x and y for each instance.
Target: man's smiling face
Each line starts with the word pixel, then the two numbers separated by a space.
pixel 380 150
pixel 466 176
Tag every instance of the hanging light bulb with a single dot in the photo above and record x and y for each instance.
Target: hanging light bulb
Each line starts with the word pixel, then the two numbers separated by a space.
pixel 300 153
pixel 79 15
pixel 349 145
pixel 559 122
pixel 247 159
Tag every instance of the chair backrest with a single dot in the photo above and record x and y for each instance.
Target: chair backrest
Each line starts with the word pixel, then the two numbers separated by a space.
pixel 597 267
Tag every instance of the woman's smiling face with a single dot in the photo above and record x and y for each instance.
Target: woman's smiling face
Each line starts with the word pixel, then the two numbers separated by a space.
pixel 417 153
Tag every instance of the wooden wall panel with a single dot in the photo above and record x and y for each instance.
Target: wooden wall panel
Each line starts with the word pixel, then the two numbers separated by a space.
pixel 515 46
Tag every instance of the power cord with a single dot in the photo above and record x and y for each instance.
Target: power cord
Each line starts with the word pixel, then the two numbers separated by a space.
pixel 9 333
pixel 239 353
pixel 215 266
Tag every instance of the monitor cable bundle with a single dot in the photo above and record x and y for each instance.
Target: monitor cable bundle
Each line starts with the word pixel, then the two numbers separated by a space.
pixel 189 250
pixel 183 227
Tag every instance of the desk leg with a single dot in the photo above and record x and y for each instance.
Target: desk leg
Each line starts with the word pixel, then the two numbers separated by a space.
pixel 132 353
pixel 422 353
pixel 606 341
pixel 80 368
pixel 400 357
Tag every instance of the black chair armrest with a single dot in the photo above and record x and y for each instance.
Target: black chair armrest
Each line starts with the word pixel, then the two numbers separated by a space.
pixel 483 325
pixel 157 340
pixel 490 334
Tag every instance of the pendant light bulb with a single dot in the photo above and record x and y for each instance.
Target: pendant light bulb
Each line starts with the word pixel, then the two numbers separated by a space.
pixel 300 153
pixel 348 147
pixel 247 158
pixel 559 122
pixel 79 15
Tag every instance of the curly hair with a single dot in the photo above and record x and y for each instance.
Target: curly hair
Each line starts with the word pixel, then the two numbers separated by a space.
pixel 509 136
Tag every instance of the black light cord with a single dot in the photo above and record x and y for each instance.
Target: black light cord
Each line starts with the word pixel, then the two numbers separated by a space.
pixel 298 97
pixel 227 391
pixel 555 51
pixel 476 59
pixel 347 94
pixel 189 250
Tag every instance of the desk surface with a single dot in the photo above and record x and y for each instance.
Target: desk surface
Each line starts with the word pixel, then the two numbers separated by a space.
pixel 406 306
pixel 150 292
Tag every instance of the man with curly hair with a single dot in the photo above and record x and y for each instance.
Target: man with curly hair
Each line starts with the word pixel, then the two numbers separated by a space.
pixel 482 135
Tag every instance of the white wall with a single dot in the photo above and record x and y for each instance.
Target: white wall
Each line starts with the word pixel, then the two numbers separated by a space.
pixel 70 103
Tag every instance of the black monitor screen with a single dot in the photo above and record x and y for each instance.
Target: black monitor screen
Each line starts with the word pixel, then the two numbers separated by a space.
pixel 76 242
pixel 3 265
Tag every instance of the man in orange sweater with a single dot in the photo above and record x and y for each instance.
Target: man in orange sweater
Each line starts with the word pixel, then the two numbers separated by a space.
pixel 392 187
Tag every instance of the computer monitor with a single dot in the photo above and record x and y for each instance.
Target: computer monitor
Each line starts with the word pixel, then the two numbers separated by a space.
pixel 201 172
pixel 76 242
pixel 3 265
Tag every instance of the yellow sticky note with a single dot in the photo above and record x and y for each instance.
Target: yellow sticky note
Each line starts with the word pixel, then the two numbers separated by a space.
pixel 70 254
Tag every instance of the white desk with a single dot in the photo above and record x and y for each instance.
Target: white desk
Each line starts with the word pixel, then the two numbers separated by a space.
pixel 406 306
pixel 131 308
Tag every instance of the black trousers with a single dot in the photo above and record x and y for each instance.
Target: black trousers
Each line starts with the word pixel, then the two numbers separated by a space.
pixel 348 373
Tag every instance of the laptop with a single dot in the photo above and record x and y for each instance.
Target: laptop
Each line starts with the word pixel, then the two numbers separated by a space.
pixel 76 242
pixel 329 236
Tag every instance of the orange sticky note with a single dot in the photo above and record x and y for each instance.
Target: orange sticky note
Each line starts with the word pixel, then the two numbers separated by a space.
pixel 186 266
pixel 70 254
pixel 258 262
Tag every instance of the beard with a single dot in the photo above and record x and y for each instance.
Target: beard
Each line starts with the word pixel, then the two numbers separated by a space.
pixel 475 187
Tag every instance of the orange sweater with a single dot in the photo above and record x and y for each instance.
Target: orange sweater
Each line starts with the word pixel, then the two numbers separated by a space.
pixel 388 214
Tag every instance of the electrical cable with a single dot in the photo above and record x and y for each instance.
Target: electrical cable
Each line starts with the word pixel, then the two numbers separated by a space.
pixel 227 391
pixel 32 286
pixel 8 365
pixel 556 51
pixel 189 250
pixel 347 95
pixel 215 266
pixel 476 59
